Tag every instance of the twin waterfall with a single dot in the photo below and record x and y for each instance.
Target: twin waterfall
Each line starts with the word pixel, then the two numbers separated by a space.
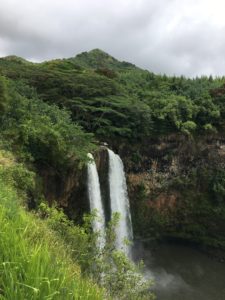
pixel 94 194
pixel 119 201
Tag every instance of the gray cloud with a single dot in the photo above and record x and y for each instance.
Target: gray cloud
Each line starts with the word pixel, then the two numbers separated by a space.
pixel 164 36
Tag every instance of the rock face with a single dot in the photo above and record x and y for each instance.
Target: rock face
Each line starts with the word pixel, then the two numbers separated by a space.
pixel 68 190
pixel 177 188
pixel 102 161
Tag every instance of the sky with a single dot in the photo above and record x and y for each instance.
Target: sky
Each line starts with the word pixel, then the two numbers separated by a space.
pixel 173 37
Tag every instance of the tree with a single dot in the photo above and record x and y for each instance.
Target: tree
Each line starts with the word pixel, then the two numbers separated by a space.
pixel 3 95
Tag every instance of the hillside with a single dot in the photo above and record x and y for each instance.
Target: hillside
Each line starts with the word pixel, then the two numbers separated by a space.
pixel 169 131
pixel 112 98
pixel 98 59
pixel 35 262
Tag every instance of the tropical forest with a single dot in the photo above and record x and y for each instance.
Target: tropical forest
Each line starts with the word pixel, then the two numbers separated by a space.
pixel 112 181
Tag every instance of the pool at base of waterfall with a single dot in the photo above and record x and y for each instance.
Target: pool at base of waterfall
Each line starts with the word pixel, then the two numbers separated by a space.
pixel 181 272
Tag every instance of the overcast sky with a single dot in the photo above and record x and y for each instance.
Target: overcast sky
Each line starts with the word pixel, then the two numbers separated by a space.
pixel 165 36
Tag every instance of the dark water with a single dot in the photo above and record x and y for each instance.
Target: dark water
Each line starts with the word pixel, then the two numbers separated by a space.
pixel 184 273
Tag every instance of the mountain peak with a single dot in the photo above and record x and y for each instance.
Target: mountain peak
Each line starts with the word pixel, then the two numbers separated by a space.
pixel 97 59
pixel 98 51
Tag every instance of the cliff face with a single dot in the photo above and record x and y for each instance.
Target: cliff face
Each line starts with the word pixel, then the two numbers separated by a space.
pixel 177 188
pixel 68 190
pixel 102 162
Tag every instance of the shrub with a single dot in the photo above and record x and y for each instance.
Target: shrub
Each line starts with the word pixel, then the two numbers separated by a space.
pixel 108 267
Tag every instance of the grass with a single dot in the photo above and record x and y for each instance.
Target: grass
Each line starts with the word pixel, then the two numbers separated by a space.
pixel 42 253
pixel 34 263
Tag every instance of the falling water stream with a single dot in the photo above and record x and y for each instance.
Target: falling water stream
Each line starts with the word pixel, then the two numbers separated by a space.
pixel 120 202
pixel 94 194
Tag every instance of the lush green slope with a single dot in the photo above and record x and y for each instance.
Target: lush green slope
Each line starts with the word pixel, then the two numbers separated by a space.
pixel 117 99
pixel 34 262
pixel 99 60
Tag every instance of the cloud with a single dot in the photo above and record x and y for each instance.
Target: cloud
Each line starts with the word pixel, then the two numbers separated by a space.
pixel 164 36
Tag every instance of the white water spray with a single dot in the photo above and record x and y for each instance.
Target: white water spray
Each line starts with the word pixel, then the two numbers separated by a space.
pixel 120 202
pixel 94 194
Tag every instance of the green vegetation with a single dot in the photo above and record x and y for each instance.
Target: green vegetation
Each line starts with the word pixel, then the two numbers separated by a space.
pixel 43 132
pixel 110 268
pixel 52 115
pixel 34 262
pixel 3 95
pixel 116 99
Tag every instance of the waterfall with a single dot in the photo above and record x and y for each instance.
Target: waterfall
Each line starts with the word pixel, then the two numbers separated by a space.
pixel 119 201
pixel 94 194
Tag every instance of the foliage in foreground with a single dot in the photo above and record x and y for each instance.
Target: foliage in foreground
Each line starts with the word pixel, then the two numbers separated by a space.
pixel 108 267
pixel 34 263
